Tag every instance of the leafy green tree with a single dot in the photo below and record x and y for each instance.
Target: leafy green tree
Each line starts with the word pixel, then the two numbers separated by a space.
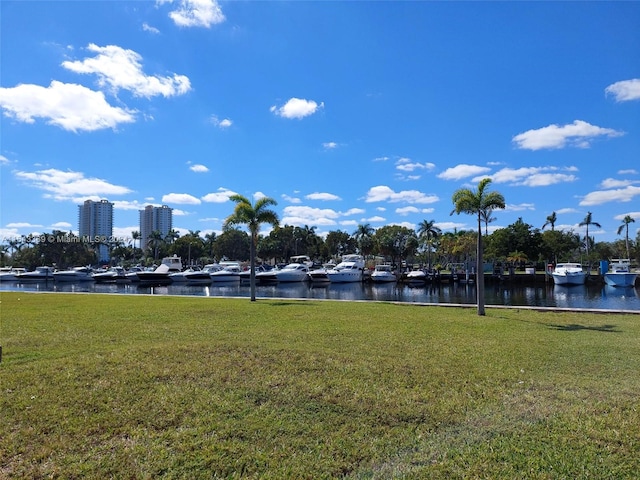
pixel 189 247
pixel 233 244
pixel 625 226
pixel 253 216
pixel 487 218
pixel 396 242
pixel 364 239
pixel 155 240
pixel 339 243
pixel 475 203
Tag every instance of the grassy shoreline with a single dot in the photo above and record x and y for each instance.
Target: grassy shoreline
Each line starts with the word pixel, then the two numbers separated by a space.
pixel 100 386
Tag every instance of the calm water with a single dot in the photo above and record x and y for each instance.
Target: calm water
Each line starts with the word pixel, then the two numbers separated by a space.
pixel 581 296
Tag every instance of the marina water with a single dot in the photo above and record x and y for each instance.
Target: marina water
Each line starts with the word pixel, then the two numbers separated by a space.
pixel 578 296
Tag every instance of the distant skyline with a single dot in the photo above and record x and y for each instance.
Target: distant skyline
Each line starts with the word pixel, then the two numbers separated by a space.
pixel 345 113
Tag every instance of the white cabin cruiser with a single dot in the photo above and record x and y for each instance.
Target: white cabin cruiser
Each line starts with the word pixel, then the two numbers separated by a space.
pixel 383 274
pixel 350 269
pixel 569 274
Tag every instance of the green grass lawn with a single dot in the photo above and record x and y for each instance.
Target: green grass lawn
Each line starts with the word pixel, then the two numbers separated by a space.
pixel 100 386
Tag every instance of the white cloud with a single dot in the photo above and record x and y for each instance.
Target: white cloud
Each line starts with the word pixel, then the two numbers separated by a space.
pixel 406 165
pixel 128 205
pixel 532 176
pixel 4 160
pixel 404 211
pixel 376 218
pixel 65 105
pixel 296 108
pixel 322 196
pixel 462 171
pixel 330 145
pixel 224 123
pixel 221 196
pixel 604 196
pixel 197 13
pixel 451 225
pixel 69 185
pixel 561 211
pixel 290 199
pixel 634 215
pixel 519 208
pixel 353 211
pixel 628 171
pixel 61 225
pixel 382 193
pixel 625 90
pixel 22 225
pixel 148 28
pixel 613 183
pixel 381 159
pixel 180 199
pixel 119 68
pixel 198 168
pixel 577 134
pixel 300 215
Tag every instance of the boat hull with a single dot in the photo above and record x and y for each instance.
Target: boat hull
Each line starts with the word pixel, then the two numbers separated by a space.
pixel 570 279
pixel 620 279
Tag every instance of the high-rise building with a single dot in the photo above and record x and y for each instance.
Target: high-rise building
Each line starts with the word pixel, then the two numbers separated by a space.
pixel 95 222
pixel 154 219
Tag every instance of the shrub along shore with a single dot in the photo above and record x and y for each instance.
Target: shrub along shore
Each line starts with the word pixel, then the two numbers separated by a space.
pixel 104 386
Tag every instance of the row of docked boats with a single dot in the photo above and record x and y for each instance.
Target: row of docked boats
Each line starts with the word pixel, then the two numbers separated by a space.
pixel 618 274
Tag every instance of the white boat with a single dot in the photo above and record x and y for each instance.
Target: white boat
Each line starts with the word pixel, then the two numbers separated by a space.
pixel 10 274
pixel 383 274
pixel 245 275
pixel 293 272
pixel 348 270
pixel 75 274
pixel 569 274
pixel 38 275
pixel 416 276
pixel 159 276
pixel 620 274
pixel 230 272
pixel 196 277
pixel 111 275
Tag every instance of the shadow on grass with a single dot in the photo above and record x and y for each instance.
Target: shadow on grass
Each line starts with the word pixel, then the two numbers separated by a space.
pixel 575 327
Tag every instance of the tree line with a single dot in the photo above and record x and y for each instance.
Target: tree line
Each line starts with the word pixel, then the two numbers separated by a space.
pixel 520 243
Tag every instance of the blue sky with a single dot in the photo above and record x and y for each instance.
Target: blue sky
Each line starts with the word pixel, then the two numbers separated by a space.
pixel 343 112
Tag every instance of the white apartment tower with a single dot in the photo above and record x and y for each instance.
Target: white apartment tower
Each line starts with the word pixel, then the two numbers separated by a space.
pixel 95 222
pixel 155 219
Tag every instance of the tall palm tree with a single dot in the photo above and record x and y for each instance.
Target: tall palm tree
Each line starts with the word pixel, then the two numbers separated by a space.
pixel 586 222
pixel 428 230
pixel 625 226
pixel 252 216
pixel 551 220
pixel 475 203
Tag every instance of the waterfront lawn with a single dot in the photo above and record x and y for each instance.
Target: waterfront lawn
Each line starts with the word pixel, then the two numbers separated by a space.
pixel 101 386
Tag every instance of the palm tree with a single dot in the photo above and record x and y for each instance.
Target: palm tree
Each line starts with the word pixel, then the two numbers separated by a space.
pixel 252 216
pixel 475 203
pixel 363 237
pixel 586 222
pixel 551 220
pixel 625 226
pixel 487 219
pixel 428 230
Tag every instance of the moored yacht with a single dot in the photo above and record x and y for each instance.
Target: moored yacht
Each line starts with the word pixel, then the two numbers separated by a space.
pixel 620 274
pixel 383 274
pixel 569 274
pixel 350 269
pixel 38 275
